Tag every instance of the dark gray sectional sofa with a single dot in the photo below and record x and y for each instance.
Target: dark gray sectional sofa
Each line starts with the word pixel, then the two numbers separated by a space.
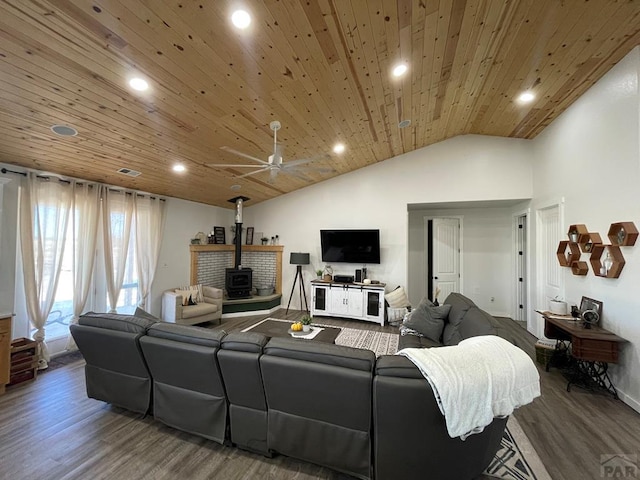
pixel 327 404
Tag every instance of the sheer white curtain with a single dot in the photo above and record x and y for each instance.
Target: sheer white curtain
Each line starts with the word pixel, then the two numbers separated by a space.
pixel 117 212
pixel 150 216
pixel 44 213
pixel 85 216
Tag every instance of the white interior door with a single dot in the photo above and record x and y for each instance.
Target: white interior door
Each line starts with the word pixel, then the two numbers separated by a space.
pixel 446 256
pixel 550 280
pixel 521 269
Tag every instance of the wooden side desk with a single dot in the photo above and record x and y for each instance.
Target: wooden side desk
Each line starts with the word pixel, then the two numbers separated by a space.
pixel 5 350
pixel 592 348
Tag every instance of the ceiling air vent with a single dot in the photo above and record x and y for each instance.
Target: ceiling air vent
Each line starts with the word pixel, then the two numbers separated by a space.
pixel 129 172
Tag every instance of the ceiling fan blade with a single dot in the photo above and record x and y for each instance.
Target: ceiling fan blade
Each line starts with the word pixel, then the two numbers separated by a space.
pixel 310 168
pixel 252 173
pixel 296 174
pixel 236 152
pixel 230 165
pixel 302 161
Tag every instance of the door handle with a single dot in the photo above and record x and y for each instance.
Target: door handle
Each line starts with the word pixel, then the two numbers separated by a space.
pixel 435 278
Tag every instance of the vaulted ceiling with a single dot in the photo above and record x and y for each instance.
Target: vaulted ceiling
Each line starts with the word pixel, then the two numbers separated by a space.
pixel 320 67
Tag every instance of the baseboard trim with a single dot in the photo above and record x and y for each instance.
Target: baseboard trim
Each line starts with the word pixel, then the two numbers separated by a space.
pixel 251 312
pixel 632 402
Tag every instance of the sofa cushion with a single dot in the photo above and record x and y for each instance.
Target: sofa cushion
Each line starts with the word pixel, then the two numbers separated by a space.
pixel 317 352
pixel 116 321
pixel 428 319
pixel 477 322
pixel 192 311
pixel 245 342
pixel 459 307
pixel 397 298
pixel 187 334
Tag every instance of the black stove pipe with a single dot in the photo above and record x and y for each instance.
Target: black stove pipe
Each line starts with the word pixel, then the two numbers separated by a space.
pixel 239 201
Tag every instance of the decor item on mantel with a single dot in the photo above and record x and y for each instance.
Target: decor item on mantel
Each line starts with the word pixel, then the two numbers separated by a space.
pixel 264 240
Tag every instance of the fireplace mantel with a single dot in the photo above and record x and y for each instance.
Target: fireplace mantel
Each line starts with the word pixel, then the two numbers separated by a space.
pixel 277 250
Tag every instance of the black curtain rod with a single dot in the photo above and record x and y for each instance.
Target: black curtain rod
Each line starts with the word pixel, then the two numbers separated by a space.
pixel 24 174
pixel 4 170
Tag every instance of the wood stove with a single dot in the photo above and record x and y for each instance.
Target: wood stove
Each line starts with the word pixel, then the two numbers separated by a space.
pixel 238 281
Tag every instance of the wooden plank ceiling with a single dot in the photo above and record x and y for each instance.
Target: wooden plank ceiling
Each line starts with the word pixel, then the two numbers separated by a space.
pixel 320 67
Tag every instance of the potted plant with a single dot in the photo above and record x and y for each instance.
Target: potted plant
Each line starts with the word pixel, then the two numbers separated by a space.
pixel 306 323
pixel 264 240
pixel 319 273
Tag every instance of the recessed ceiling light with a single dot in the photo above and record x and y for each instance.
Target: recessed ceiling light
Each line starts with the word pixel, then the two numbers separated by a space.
pixel 338 148
pixel 526 97
pixel 139 84
pixel 178 167
pixel 241 19
pixel 404 123
pixel 64 130
pixel 400 69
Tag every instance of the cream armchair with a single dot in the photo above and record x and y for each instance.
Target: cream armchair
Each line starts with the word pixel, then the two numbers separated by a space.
pixel 211 309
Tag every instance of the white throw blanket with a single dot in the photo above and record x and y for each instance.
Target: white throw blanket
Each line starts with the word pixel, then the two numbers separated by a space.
pixel 478 379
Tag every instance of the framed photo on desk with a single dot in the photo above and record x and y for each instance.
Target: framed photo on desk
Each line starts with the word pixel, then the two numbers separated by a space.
pixel 591 304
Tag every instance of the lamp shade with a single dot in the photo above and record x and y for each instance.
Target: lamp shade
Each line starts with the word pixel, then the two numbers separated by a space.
pixel 298 258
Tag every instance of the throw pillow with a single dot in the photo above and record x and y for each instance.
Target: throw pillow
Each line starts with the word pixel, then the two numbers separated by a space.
pixel 186 294
pixel 198 297
pixel 397 298
pixel 428 319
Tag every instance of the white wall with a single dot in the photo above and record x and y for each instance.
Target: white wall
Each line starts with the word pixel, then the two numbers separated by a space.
pixel 487 256
pixel 590 156
pixel 184 220
pixel 465 168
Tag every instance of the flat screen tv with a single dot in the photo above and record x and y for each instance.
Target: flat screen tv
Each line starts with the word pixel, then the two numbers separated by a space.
pixel 350 246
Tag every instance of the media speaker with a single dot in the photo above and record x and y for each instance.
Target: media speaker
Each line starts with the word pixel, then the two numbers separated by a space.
pixel 358 275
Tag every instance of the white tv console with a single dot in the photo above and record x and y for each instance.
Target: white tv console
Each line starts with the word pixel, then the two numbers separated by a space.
pixel 349 300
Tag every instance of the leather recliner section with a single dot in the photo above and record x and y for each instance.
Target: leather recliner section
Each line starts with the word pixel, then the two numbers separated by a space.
pixel 319 403
pixel 188 391
pixel 115 371
pixel 239 360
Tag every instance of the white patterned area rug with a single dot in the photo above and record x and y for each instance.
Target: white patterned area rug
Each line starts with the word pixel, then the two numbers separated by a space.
pixel 516 459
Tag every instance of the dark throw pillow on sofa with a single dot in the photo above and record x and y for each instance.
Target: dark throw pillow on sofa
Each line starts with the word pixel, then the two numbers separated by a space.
pixel 428 319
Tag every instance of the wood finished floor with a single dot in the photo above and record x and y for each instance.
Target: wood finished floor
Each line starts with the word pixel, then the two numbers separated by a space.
pixel 49 429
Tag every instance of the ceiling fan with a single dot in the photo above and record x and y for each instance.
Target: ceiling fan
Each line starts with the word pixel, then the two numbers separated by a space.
pixel 275 164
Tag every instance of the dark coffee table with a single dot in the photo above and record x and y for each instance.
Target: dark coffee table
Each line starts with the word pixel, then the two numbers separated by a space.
pixel 275 328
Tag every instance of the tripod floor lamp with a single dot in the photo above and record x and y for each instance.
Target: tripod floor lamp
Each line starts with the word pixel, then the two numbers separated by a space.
pixel 299 259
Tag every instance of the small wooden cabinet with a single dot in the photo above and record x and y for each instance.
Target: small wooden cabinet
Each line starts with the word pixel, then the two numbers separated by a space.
pixel 348 300
pixel 5 351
